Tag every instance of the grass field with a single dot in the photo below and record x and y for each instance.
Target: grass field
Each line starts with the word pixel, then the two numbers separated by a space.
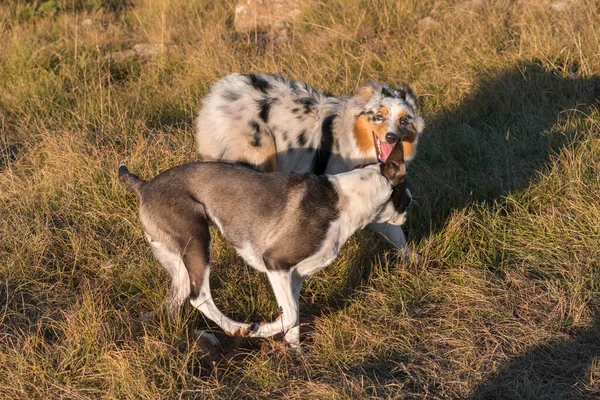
pixel 504 303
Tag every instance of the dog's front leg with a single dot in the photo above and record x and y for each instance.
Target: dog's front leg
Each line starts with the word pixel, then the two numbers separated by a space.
pixel 392 233
pixel 282 284
pixel 395 236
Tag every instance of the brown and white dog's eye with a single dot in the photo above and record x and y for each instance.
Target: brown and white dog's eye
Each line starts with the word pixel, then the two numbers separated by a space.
pixel 379 117
pixel 403 121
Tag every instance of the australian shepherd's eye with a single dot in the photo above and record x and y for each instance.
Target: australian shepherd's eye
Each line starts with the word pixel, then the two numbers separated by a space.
pixel 403 121
pixel 379 117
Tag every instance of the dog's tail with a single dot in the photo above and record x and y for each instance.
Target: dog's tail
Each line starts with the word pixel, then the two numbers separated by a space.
pixel 133 182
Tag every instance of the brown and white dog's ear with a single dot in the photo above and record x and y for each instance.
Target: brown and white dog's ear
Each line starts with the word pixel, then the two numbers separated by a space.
pixel 394 169
pixel 408 94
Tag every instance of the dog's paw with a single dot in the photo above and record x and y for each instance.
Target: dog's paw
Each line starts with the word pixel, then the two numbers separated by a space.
pixel 207 338
pixel 408 255
pixel 295 348
pixel 245 330
pixel 146 317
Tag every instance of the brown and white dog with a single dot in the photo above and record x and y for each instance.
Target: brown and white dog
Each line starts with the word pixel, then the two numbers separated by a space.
pixel 286 225
pixel 277 124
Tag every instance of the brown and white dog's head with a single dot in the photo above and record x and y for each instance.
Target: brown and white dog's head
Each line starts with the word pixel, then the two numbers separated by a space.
pixel 394 168
pixel 386 116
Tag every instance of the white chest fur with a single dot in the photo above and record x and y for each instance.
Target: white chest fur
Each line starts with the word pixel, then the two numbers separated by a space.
pixel 364 194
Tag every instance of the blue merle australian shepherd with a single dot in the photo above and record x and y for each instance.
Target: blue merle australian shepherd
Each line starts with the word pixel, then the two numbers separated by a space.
pixel 277 124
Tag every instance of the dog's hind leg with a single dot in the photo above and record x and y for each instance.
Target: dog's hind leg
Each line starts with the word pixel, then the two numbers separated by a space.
pixel 282 284
pixel 269 162
pixel 204 302
pixel 292 336
pixel 257 148
pixel 180 281
pixel 196 260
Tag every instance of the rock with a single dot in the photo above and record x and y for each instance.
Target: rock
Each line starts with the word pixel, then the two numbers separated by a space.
pixel 470 6
pixel 147 51
pixel 268 16
pixel 91 23
pixel 121 56
pixel 143 51
pixel 560 6
pixel 427 23
pixel 556 5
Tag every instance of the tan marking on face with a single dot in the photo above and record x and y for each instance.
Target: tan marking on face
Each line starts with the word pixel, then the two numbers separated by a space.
pixel 409 138
pixel 408 134
pixel 364 129
pixel 362 134
pixel 408 149
pixel 384 111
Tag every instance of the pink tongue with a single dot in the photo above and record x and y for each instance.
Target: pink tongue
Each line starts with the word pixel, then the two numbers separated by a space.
pixel 386 149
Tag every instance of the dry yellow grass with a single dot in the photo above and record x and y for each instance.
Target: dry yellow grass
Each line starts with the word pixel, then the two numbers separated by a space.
pixel 507 220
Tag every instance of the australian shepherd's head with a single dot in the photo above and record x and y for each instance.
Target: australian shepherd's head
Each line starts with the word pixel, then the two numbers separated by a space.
pixel 385 116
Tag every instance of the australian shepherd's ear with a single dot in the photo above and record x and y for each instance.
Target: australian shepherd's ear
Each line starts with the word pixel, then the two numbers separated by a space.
pixel 364 92
pixel 407 94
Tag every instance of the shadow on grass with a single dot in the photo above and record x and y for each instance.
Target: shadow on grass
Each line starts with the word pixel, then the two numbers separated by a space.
pixel 494 142
pixel 559 369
